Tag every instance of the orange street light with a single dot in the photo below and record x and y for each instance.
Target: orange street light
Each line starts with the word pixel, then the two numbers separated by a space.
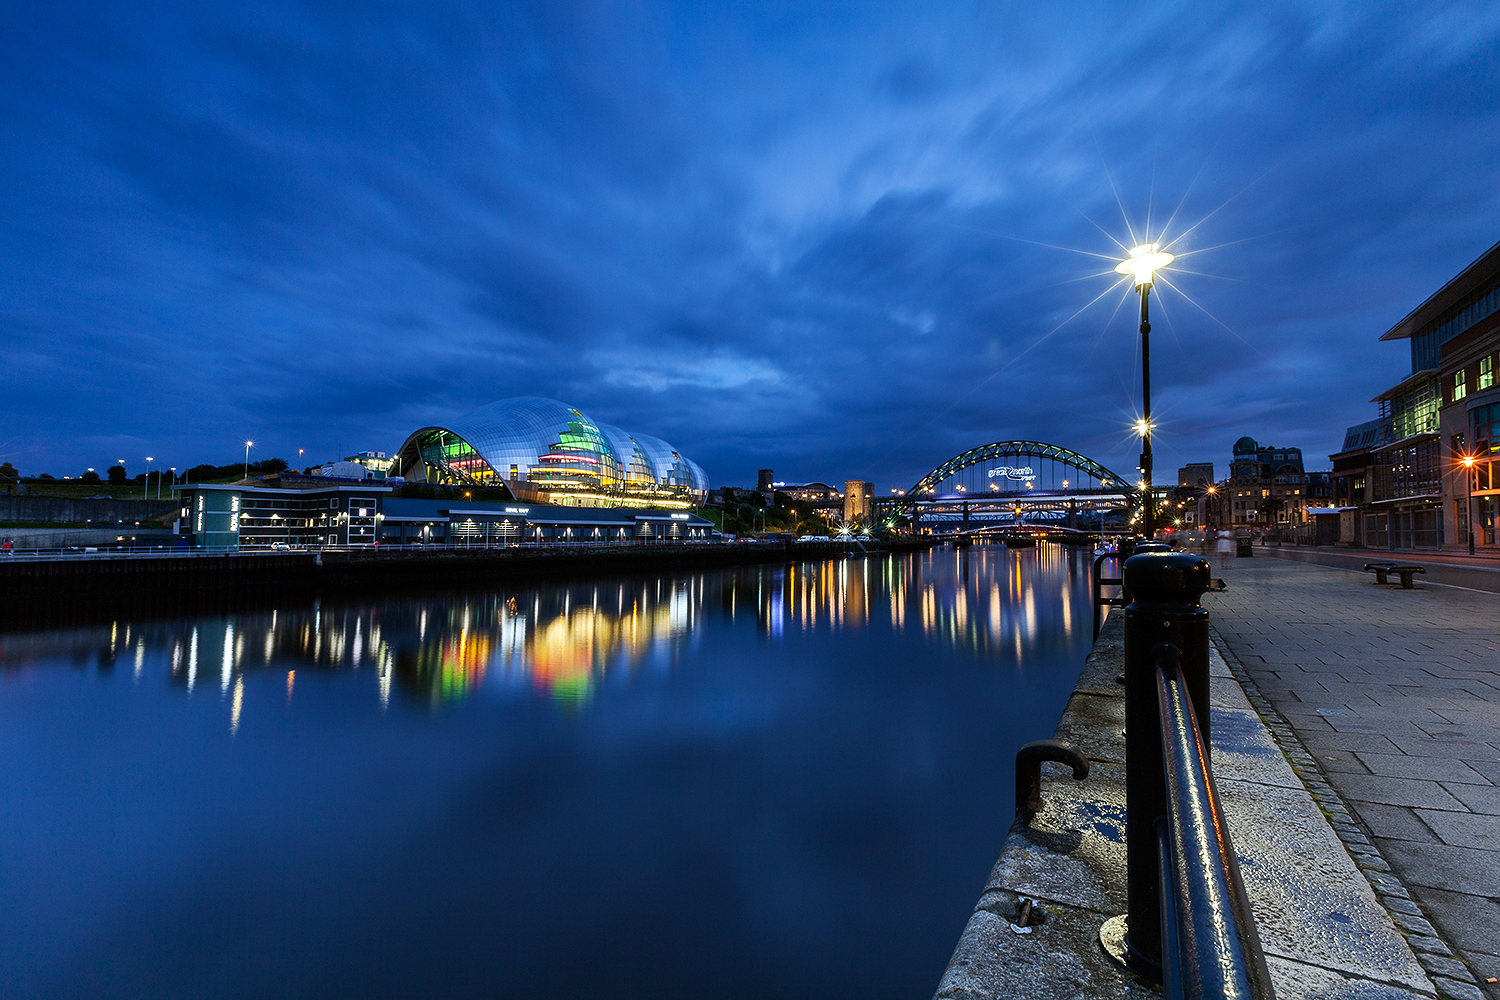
pixel 1467 462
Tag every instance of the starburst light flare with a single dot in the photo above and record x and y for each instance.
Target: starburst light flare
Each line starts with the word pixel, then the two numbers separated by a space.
pixel 1144 261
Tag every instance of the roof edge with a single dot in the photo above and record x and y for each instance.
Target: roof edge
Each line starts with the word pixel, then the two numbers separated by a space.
pixel 1440 299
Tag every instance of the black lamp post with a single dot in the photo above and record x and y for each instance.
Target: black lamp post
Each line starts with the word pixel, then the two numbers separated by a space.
pixel 1144 261
pixel 1468 464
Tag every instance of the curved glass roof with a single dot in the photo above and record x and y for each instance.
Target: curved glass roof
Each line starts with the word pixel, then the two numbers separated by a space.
pixel 543 445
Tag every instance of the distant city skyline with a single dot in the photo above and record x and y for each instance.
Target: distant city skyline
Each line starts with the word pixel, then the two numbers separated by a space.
pixel 836 240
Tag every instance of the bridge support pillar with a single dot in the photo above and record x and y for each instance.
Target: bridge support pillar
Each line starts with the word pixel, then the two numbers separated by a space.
pixel 966 518
pixel 1073 514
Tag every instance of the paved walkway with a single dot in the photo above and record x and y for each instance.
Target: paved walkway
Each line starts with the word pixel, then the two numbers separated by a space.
pixel 1396 693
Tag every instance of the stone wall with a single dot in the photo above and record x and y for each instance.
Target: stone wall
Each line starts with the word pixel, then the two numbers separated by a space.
pixel 65 510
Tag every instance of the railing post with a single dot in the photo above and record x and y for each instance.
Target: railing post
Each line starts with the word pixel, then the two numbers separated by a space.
pixel 1164 588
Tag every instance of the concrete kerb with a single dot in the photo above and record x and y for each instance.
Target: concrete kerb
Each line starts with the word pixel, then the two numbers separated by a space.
pixel 1325 931
pixel 1450 977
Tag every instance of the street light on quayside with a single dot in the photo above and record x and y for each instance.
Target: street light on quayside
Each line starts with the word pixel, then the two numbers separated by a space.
pixel 1468 463
pixel 1143 263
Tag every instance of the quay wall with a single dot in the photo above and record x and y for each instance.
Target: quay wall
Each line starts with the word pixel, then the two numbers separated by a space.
pixel 32 588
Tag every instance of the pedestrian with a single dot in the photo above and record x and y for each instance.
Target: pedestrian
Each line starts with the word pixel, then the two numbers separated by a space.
pixel 1226 548
pixel 7 546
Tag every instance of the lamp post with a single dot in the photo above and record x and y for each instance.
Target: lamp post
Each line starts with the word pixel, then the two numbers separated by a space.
pixel 1143 263
pixel 1468 463
pixel 146 491
pixel 247 458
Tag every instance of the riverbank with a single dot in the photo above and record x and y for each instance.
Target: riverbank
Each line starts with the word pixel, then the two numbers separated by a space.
pixel 32 587
pixel 1324 932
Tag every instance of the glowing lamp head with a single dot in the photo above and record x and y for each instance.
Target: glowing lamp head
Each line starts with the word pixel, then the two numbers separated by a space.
pixel 1468 461
pixel 1144 261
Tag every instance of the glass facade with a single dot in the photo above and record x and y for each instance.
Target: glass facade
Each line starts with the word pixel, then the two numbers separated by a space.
pixel 1485 420
pixel 548 452
pixel 1427 343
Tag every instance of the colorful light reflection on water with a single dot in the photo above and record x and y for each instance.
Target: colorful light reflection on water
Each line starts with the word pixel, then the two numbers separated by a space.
pixel 787 780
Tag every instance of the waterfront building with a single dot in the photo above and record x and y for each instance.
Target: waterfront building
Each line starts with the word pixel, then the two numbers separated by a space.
pixel 546 452
pixel 365 465
pixel 809 492
pixel 1258 474
pixel 1196 474
pixel 299 511
pixel 286 511
pixel 1406 469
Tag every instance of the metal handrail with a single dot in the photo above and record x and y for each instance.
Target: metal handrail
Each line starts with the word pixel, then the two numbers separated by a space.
pixel 1100 582
pixel 1210 945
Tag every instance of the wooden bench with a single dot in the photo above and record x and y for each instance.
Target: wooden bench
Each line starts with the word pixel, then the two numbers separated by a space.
pixel 1382 571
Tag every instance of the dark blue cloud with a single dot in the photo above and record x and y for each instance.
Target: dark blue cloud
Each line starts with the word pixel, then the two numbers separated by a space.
pixel 820 237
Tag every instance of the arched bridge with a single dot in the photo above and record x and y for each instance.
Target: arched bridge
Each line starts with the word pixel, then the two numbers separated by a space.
pixel 1014 482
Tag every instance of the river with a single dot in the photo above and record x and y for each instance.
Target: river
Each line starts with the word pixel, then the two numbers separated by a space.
pixel 770 781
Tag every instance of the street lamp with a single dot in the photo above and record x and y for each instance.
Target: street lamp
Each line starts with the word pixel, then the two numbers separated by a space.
pixel 1143 263
pixel 146 493
pixel 1468 463
pixel 247 457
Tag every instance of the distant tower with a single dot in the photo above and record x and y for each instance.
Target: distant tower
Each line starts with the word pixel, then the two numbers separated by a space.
pixel 764 483
pixel 858 497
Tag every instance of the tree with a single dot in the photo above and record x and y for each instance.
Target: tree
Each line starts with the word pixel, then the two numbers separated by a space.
pixel 117 474
pixel 1269 507
pixel 8 474
pixel 89 477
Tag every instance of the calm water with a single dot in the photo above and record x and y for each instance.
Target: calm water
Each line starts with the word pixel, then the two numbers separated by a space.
pixel 783 781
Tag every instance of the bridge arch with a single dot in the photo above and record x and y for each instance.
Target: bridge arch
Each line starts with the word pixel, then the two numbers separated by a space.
pixel 1019 469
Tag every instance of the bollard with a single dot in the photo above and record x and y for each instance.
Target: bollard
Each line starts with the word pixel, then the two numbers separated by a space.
pixel 1164 588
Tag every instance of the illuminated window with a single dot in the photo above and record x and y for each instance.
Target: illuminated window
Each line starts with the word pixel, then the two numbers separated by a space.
pixel 1486 373
pixel 1460 384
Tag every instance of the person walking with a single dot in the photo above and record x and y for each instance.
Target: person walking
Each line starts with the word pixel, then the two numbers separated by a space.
pixel 1226 547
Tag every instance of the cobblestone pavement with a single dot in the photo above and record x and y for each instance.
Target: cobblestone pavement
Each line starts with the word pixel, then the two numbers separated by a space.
pixel 1396 695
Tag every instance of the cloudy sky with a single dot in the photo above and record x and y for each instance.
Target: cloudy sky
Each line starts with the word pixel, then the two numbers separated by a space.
pixel 841 240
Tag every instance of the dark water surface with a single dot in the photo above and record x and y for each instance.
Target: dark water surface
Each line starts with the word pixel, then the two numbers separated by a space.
pixel 776 781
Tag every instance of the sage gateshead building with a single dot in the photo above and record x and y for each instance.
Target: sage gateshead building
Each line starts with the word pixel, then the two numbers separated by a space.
pixel 547 452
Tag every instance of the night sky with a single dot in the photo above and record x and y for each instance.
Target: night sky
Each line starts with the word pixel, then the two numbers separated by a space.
pixel 834 239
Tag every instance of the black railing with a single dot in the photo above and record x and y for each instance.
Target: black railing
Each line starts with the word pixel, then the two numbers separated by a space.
pixel 1100 600
pixel 1210 946
pixel 1189 924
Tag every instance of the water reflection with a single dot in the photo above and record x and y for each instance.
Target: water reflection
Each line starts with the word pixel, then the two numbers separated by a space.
pixel 562 641
pixel 761 777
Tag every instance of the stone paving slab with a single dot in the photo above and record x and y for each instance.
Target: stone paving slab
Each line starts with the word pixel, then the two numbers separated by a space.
pixel 1395 695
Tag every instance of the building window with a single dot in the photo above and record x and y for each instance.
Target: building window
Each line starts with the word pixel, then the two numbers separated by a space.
pixel 1460 384
pixel 1486 373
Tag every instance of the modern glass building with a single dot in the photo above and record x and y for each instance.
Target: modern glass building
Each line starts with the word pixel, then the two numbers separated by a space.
pixel 549 452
